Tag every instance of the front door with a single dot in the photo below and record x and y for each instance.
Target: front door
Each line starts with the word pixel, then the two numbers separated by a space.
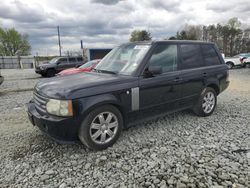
pixel 160 92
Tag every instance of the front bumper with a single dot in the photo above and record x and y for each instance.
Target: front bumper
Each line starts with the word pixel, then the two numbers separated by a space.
pixel 59 128
pixel 39 71
pixel 1 79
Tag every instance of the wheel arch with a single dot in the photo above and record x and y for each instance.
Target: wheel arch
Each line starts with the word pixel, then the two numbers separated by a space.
pixel 227 62
pixel 215 87
pixel 89 104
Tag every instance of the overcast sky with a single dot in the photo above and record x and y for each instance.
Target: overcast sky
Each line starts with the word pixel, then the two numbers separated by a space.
pixel 106 23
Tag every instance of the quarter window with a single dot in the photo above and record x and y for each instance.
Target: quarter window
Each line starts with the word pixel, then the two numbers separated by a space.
pixel 164 56
pixel 191 56
pixel 210 55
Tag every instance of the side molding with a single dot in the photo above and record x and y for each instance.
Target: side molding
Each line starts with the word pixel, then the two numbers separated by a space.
pixel 135 98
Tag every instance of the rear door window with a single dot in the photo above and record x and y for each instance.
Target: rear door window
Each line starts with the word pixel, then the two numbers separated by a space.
pixel 210 55
pixel 72 60
pixel 191 56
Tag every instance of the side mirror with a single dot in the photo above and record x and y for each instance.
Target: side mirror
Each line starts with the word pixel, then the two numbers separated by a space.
pixel 58 63
pixel 154 70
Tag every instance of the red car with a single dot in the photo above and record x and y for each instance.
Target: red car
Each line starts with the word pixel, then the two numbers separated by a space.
pixel 87 67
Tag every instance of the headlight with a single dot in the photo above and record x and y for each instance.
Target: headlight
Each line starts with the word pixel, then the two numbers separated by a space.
pixel 59 107
pixel 42 68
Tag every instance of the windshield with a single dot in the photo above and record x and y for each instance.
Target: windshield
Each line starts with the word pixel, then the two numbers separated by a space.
pixel 53 60
pixel 89 64
pixel 123 59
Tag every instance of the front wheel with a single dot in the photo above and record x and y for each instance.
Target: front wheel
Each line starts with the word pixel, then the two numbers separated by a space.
pixel 206 103
pixel 230 65
pixel 101 127
pixel 50 73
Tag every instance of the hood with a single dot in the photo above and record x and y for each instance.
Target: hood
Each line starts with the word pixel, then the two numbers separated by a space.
pixel 46 65
pixel 81 85
pixel 69 71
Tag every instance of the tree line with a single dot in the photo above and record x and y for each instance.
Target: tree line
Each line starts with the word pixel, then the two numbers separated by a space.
pixel 231 38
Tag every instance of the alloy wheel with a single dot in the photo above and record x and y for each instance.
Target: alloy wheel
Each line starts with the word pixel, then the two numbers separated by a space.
pixel 103 128
pixel 208 102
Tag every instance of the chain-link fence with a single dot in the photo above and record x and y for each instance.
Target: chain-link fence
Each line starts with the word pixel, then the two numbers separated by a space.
pixel 17 62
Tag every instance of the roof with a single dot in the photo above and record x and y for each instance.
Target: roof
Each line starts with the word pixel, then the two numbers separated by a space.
pixel 172 41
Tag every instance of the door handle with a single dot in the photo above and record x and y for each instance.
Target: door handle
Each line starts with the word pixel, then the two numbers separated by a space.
pixel 177 79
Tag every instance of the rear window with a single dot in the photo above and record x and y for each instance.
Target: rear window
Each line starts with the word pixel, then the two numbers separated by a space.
pixel 191 56
pixel 210 55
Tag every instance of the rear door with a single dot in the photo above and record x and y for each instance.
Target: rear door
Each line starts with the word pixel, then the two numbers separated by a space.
pixel 159 93
pixel 72 62
pixel 193 73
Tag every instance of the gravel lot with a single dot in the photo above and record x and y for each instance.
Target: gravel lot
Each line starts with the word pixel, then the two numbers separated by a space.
pixel 178 150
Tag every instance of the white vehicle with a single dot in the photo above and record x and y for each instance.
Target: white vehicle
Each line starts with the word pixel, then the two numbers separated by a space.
pixel 246 62
pixel 233 61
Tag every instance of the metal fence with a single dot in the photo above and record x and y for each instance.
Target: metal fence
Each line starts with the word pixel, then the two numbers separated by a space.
pixel 17 62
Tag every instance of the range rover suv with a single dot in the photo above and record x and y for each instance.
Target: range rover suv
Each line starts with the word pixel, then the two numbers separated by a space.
pixel 134 82
pixel 57 65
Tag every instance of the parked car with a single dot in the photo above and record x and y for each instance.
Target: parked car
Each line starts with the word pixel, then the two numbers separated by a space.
pixel 134 82
pixel 1 78
pixel 236 60
pixel 246 62
pixel 87 67
pixel 58 64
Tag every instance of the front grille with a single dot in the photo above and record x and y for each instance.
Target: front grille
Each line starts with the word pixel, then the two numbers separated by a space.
pixel 40 102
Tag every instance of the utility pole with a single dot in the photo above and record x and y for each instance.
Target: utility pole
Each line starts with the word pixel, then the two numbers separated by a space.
pixel 59 41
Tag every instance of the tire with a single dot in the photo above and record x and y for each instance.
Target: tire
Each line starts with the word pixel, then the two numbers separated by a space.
pixel 206 103
pixel 99 134
pixel 230 65
pixel 50 73
pixel 43 75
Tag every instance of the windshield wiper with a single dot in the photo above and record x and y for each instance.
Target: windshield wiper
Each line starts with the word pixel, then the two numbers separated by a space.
pixel 104 71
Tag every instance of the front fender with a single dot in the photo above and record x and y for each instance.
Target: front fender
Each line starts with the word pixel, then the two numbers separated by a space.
pixel 85 105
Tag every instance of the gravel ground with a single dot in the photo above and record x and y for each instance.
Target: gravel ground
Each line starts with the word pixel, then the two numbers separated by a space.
pixel 178 150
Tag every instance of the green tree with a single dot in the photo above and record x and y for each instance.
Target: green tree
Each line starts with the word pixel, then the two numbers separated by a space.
pixel 13 43
pixel 234 32
pixel 190 32
pixel 140 35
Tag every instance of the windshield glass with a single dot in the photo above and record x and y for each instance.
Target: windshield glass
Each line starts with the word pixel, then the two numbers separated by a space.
pixel 88 64
pixel 53 60
pixel 123 59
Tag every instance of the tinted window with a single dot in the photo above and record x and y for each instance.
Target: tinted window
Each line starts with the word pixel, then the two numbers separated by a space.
pixel 210 55
pixel 72 60
pixel 191 56
pixel 63 60
pixel 79 59
pixel 165 56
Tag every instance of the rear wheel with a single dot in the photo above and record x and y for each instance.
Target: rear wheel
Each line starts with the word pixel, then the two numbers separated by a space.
pixel 206 103
pixel 101 127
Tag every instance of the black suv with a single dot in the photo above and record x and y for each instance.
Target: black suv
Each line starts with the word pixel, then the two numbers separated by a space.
pixel 58 64
pixel 133 82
